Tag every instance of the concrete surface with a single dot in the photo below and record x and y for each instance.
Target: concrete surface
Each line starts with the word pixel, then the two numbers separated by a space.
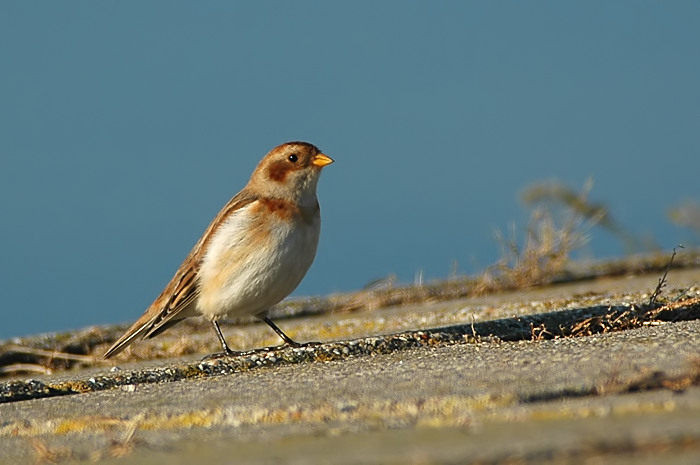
pixel 621 396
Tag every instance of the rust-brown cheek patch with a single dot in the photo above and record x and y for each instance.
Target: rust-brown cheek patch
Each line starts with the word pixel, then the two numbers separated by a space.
pixel 278 171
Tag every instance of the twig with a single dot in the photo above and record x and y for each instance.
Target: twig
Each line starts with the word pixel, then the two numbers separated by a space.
pixel 46 453
pixel 662 280
pixel 48 353
pixel 25 368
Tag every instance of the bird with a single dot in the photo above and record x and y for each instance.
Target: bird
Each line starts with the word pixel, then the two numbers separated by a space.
pixel 254 253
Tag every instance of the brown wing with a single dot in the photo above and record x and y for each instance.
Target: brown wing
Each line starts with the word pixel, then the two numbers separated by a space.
pixel 182 290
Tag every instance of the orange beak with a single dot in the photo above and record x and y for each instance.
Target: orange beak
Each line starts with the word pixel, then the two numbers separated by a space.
pixel 321 160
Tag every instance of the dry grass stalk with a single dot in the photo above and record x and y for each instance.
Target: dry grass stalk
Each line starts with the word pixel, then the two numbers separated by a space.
pixel 651 380
pixel 540 333
pixel 50 354
pixel 662 280
pixel 46 454
pixel 546 251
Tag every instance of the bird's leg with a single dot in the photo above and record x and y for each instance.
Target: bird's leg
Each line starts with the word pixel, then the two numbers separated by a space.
pixel 227 352
pixel 287 340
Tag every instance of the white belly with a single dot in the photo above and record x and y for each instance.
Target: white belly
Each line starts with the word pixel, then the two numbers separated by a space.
pixel 250 266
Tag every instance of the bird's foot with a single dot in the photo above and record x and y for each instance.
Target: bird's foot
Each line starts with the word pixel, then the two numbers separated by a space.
pixel 285 345
pixel 235 353
pixel 224 354
pixel 297 345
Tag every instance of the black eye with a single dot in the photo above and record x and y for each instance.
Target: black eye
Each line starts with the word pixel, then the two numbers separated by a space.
pixel 293 158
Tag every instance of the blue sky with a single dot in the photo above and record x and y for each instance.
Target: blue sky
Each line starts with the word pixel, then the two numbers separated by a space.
pixel 125 126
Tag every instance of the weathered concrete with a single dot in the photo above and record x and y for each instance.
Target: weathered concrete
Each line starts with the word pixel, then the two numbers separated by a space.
pixel 627 396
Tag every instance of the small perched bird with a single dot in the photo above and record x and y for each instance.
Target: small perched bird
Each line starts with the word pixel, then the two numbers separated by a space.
pixel 253 254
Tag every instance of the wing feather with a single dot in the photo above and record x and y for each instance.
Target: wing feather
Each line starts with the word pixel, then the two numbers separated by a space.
pixel 176 300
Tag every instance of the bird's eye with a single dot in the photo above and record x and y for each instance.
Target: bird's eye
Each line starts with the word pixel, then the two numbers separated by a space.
pixel 293 158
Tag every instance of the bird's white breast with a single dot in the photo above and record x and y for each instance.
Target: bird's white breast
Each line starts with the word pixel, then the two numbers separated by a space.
pixel 254 259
